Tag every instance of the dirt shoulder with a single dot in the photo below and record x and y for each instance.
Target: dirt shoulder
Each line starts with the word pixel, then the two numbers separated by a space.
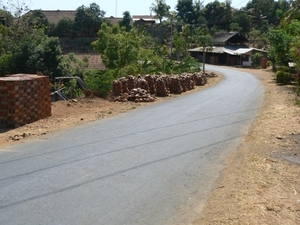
pixel 261 183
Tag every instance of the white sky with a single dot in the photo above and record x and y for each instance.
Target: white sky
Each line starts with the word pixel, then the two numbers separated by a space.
pixel 111 7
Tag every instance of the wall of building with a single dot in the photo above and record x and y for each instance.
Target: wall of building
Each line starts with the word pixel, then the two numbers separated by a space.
pixel 24 99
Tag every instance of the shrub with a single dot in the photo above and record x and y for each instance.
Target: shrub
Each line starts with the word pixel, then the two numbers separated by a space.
pixel 283 77
pixel 283 68
pixel 99 82
pixel 256 58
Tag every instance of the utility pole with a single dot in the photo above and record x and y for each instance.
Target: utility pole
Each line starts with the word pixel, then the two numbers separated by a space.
pixel 116 8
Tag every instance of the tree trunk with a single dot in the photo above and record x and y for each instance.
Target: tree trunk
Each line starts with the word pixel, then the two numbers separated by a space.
pixel 203 64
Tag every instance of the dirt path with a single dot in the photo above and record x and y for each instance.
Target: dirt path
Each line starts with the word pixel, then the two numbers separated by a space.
pixel 261 184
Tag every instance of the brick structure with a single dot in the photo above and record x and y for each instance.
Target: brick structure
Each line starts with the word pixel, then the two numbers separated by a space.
pixel 24 98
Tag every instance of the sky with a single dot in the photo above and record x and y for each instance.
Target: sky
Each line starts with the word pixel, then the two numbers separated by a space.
pixel 111 7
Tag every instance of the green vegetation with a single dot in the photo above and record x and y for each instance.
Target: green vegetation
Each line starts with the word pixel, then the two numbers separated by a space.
pixel 29 43
pixel 256 59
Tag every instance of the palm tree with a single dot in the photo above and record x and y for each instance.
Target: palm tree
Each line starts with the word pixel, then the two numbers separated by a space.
pixel 293 13
pixel 160 8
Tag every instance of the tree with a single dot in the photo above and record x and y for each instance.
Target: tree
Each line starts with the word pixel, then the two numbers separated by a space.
pixel 118 48
pixel 6 19
pixel 47 57
pixel 218 14
pixel 279 42
pixel 292 13
pixel 284 43
pixel 266 11
pixel 243 20
pixel 36 19
pixel 204 41
pixel 257 39
pixel 126 21
pixel 16 7
pixel 88 20
pixel 235 27
pixel 64 27
pixel 33 53
pixel 180 44
pixel 188 12
pixel 25 48
pixel 161 9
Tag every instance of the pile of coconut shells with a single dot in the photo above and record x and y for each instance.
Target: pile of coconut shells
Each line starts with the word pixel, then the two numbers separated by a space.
pixel 147 88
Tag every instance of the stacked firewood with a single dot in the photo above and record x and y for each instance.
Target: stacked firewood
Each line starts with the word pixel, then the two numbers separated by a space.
pixel 142 83
pixel 200 79
pixel 162 87
pixel 175 85
pixel 135 95
pixel 131 82
pixel 151 84
pixel 143 89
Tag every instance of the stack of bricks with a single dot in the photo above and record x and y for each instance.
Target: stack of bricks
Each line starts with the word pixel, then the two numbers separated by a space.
pixel 24 98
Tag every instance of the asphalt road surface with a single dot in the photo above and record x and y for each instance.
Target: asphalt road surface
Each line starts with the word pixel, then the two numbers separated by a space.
pixel 153 165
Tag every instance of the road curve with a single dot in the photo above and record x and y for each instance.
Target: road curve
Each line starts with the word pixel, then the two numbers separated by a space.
pixel 152 165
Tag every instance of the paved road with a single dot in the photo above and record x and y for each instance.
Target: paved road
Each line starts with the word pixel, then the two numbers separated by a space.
pixel 152 165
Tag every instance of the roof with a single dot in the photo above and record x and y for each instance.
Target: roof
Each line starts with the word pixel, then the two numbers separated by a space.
pixel 229 49
pixel 54 16
pixel 222 37
pixel 143 17
pixel 113 20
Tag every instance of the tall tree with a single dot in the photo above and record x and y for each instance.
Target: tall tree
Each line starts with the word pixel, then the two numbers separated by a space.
pixel 88 20
pixel 160 8
pixel 243 20
pixel 218 14
pixel 292 13
pixel 186 11
pixel 126 21
pixel 267 11
pixel 118 48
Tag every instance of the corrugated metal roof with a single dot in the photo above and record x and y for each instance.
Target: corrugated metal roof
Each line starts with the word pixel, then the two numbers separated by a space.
pixel 229 49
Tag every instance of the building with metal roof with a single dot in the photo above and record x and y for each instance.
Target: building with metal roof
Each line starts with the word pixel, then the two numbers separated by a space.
pixel 228 49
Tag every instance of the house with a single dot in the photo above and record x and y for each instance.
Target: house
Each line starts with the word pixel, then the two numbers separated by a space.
pixel 113 20
pixel 228 48
pixel 54 16
pixel 143 20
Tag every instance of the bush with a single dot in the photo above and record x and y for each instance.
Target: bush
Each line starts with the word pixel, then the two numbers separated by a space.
pixel 283 68
pixel 256 58
pixel 99 82
pixel 283 77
